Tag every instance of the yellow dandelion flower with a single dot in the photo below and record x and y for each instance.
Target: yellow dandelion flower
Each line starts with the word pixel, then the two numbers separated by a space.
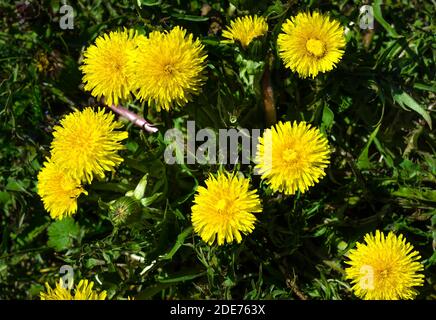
pixel 311 43
pixel 83 291
pixel 104 66
pixel 59 192
pixel 224 209
pixel 86 144
pixel 167 68
pixel 384 268
pixel 58 293
pixel 292 157
pixel 245 30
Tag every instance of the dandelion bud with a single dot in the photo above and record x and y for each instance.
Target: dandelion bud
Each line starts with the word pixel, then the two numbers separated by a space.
pixel 125 210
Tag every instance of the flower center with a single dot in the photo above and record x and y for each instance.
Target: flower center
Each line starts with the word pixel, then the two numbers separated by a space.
pixel 169 69
pixel 290 155
pixel 384 273
pixel 117 65
pixel 316 47
pixel 221 205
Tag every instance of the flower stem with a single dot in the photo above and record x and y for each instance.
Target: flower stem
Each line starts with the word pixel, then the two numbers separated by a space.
pixel 268 96
pixel 133 118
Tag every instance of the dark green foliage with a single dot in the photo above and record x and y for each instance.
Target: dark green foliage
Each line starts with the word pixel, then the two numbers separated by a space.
pixel 376 108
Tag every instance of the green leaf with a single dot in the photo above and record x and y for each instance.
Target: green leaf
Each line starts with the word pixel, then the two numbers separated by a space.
pixel 425 87
pixel 275 10
pixel 91 263
pixel 152 290
pixel 386 156
pixel 432 260
pixel 180 241
pixel 140 188
pixel 363 160
pixel 327 118
pixel 379 17
pixel 35 289
pixel 61 233
pixel 210 41
pixel 147 201
pixel 423 194
pixel 148 3
pixel 188 17
pixel 404 100
pixel 32 235
pixel 185 277
pixel 4 197
pixel 18 185
pixel 110 186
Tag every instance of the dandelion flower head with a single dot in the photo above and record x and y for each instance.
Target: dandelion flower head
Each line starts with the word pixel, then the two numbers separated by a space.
pixel 245 29
pixel 292 156
pixel 86 143
pixel 223 210
pixel 311 43
pixel 384 268
pixel 167 68
pixel 59 192
pixel 105 66
pixel 83 291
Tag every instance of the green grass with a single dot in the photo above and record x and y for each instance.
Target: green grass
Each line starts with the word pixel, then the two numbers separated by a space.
pixel 376 108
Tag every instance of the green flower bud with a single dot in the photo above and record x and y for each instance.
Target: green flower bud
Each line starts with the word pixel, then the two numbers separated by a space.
pixel 124 211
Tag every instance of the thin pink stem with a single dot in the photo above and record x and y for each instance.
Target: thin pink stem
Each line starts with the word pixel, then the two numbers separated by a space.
pixel 133 118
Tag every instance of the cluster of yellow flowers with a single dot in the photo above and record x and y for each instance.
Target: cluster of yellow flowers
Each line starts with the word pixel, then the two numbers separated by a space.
pixel 290 157
pixel 166 70
pixel 309 43
pixel 85 144
pixel 293 157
